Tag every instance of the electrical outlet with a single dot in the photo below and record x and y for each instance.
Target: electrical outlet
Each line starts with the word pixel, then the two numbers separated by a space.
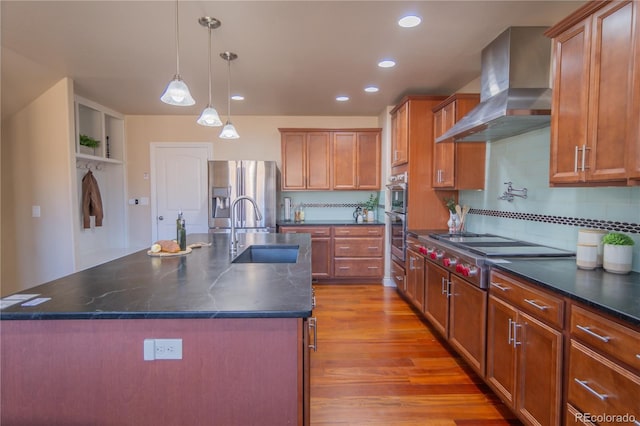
pixel 162 349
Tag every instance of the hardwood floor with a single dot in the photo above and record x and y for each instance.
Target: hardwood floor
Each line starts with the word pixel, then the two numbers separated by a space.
pixel 378 363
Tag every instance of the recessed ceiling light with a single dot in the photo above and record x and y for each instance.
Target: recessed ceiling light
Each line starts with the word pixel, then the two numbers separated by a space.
pixel 237 98
pixel 371 89
pixel 387 63
pixel 409 21
pixel 342 98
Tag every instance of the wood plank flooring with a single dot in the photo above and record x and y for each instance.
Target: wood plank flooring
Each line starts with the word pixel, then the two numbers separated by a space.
pixel 378 363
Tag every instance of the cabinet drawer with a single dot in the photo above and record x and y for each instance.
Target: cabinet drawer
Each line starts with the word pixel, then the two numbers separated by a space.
pixel 357 247
pixel 315 231
pixel 575 417
pixel 600 333
pixel 599 386
pixel 362 267
pixel 539 304
pixel 358 231
pixel 397 273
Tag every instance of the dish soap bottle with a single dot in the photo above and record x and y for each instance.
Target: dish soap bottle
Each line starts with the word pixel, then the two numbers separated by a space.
pixel 181 232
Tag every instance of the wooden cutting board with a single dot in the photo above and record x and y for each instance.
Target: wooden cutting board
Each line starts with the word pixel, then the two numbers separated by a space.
pixel 165 254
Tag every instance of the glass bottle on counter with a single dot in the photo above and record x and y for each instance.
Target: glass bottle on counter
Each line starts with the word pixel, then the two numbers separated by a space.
pixel 181 232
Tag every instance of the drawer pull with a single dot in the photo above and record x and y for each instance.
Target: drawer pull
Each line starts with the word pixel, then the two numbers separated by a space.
pixel 319 232
pixel 499 287
pixel 345 248
pixel 373 232
pixel 536 305
pixel 399 278
pixel 344 267
pixel 313 324
pixel 373 248
pixel 372 267
pixel 584 384
pixel 638 356
pixel 587 330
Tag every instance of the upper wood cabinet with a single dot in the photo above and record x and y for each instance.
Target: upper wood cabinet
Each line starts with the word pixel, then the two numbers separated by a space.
pixel 400 134
pixel 412 137
pixel 327 159
pixel 594 127
pixel 456 165
pixel 356 160
pixel 298 148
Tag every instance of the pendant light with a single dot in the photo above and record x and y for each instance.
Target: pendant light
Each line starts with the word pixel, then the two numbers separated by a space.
pixel 177 92
pixel 209 116
pixel 229 131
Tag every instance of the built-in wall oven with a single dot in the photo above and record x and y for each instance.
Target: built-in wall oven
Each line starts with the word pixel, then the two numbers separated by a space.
pixel 397 188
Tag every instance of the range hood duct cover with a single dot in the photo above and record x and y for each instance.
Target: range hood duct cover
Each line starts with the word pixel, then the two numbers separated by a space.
pixel 515 95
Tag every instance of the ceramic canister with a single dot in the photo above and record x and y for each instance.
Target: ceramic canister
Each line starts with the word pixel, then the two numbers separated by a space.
pixel 587 256
pixel 592 237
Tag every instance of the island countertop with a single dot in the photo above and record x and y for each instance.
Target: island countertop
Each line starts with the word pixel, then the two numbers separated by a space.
pixel 201 284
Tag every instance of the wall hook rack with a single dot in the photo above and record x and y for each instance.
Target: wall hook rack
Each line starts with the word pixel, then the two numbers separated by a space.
pixel 89 165
pixel 512 192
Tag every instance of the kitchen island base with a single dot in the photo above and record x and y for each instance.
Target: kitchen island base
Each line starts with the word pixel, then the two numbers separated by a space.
pixel 236 371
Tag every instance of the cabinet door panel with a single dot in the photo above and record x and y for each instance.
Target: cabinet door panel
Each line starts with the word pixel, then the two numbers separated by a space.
pixel 539 371
pixel 609 99
pixel 400 136
pixel 570 102
pixel 436 300
pixel 318 160
pixel 467 322
pixel 321 257
pixel 293 161
pixel 501 367
pixel 415 278
pixel 368 164
pixel 344 160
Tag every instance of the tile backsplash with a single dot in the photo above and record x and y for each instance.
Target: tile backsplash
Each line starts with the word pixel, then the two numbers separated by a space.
pixel 328 205
pixel 550 216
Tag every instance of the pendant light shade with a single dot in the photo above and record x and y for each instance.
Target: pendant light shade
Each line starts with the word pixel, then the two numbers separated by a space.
pixel 229 131
pixel 209 116
pixel 177 93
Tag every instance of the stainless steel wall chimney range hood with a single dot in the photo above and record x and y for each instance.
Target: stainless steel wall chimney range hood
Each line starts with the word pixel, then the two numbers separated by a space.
pixel 515 94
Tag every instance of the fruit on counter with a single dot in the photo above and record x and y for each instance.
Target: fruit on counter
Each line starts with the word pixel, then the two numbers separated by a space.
pixel 156 248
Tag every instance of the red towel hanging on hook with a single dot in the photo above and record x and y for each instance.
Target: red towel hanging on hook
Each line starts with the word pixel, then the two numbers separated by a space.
pixel 91 201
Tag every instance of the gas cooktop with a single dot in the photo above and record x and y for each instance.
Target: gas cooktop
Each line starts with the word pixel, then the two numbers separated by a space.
pixel 496 246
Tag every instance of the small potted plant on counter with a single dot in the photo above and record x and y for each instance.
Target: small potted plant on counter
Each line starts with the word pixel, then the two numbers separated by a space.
pixel 618 253
pixel 370 206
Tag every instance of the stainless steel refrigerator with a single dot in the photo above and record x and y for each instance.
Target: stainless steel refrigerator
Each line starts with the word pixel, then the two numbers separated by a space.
pixel 230 179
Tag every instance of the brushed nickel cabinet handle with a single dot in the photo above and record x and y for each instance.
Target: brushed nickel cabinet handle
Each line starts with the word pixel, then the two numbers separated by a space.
pixel 575 160
pixel 399 278
pixel 587 330
pixel 373 248
pixel 313 324
pixel 536 305
pixel 588 388
pixel 344 267
pixel 499 287
pixel 372 267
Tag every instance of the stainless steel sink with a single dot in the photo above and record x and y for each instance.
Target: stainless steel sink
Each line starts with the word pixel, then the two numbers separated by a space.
pixel 273 253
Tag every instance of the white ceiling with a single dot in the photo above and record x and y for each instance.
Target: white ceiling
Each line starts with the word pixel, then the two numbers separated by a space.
pixel 295 56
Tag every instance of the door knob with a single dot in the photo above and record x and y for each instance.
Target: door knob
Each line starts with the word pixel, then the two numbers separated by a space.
pixel 160 218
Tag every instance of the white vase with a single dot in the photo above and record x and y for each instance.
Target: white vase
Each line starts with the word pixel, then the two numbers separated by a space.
pixel 617 259
pixel 370 216
pixel 452 223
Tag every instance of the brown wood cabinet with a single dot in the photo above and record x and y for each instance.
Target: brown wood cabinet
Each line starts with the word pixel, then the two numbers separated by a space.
pixel 603 367
pixel 415 279
pixel 436 307
pixel 524 349
pixel 358 251
pixel 593 126
pixel 398 276
pixel 412 133
pixel 356 160
pixel 456 165
pixel 321 248
pixel 344 252
pixel 299 172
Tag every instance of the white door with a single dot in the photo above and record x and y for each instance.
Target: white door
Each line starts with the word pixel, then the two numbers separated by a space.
pixel 179 183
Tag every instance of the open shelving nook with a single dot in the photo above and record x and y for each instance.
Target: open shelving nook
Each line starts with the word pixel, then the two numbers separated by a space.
pixel 106 161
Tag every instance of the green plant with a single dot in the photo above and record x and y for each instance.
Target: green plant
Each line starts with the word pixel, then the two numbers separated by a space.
pixel 617 239
pixel 88 141
pixel 372 203
pixel 450 203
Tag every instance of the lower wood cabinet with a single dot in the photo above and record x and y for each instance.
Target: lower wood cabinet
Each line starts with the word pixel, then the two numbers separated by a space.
pixel 603 370
pixel 415 279
pixel 344 252
pixel 524 352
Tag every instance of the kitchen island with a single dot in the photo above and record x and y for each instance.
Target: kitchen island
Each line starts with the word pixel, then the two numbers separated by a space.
pixel 79 357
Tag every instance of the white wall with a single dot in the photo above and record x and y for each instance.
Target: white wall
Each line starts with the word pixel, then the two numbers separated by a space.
pixel 259 140
pixel 36 171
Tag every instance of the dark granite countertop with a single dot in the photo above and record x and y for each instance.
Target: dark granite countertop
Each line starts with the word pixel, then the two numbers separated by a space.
pixel 618 295
pixel 201 284
pixel 327 223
